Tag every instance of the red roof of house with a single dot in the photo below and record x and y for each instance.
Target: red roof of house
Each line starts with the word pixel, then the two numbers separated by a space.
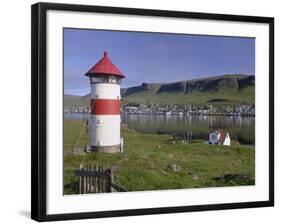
pixel 105 67
pixel 222 136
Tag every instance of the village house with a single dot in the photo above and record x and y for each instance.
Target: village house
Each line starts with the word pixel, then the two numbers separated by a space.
pixel 217 137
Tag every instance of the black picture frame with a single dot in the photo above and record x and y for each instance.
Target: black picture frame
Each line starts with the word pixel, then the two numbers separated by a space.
pixel 39 123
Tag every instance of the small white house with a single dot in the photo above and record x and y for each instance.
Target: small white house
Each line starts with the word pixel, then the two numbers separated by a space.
pixel 218 137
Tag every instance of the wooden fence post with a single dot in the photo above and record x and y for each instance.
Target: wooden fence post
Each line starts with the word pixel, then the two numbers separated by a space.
pixel 96 179
pixel 80 180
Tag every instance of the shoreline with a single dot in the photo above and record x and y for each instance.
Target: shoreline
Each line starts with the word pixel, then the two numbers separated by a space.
pixel 176 114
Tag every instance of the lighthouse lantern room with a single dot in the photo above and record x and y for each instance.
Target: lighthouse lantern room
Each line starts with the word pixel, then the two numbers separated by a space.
pixel 105 79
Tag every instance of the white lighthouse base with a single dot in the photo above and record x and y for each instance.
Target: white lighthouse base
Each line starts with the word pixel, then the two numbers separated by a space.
pixel 106 149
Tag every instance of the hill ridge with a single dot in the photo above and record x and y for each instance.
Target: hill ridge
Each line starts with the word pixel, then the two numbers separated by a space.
pixel 209 84
pixel 229 88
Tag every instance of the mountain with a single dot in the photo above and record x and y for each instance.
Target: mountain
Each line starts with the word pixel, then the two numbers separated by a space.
pixel 75 101
pixel 229 89
pixel 211 84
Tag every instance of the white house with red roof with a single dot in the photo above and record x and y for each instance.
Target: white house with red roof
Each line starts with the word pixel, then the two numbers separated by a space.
pixel 217 137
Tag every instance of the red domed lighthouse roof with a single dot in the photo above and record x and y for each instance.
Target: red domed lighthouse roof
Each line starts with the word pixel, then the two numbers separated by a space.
pixel 105 67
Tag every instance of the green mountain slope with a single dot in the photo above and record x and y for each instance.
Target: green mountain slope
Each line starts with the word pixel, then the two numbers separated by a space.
pixel 226 89
pixel 71 101
pixel 231 89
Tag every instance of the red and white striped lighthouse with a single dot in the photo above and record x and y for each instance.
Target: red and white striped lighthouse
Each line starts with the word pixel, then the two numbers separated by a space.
pixel 105 79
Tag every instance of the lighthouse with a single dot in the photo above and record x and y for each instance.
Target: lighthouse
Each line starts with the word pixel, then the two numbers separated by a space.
pixel 105 79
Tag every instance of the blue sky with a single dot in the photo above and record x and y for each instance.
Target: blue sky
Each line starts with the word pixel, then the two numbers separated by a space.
pixel 153 57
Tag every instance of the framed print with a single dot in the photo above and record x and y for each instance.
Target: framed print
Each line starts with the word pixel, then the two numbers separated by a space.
pixel 138 111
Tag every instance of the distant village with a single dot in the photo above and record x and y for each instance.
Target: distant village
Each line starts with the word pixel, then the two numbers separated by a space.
pixel 173 109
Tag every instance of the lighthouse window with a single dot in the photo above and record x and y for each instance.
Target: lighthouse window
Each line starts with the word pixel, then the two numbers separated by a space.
pixel 112 79
pixel 95 79
pixel 105 79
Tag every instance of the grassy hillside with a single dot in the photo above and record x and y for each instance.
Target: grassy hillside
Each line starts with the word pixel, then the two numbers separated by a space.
pixel 229 89
pixel 223 96
pixel 147 160
pixel 76 101
pixel 226 89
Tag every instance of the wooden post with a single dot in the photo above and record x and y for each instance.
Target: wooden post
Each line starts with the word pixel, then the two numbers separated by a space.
pixel 111 178
pixel 107 185
pixel 103 179
pixel 84 183
pixel 98 179
pixel 91 180
pixel 94 180
pixel 80 180
pixel 88 180
pixel 121 145
pixel 188 136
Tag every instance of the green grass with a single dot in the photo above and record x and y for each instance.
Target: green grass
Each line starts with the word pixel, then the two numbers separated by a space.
pixel 144 165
